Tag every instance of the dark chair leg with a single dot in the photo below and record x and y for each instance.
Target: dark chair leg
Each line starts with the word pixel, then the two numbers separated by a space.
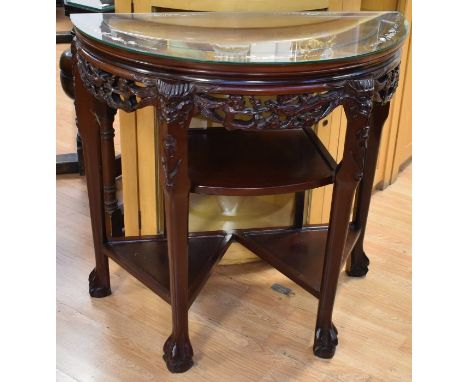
pixel 87 108
pixel 326 335
pixel 175 107
pixel 348 174
pixel 358 261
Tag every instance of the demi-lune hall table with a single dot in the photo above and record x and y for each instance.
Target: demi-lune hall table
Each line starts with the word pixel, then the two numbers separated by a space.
pixel 266 79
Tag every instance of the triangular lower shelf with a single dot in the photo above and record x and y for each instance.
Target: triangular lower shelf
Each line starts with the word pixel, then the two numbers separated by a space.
pixel 297 253
pixel 147 260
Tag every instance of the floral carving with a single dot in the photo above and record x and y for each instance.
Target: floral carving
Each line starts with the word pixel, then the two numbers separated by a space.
pixel 117 92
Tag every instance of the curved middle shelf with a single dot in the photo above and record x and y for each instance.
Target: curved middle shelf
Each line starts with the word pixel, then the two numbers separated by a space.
pixel 223 162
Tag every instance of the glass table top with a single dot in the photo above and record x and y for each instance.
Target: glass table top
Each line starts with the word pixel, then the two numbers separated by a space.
pixel 92 5
pixel 256 38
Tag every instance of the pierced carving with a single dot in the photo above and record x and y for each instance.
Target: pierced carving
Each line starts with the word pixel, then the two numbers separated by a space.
pixel 386 85
pixel 117 92
pixel 250 112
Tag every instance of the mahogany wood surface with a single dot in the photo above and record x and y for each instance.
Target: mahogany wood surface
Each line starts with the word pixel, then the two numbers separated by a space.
pixel 107 79
pixel 299 254
pixel 256 163
pixel 148 261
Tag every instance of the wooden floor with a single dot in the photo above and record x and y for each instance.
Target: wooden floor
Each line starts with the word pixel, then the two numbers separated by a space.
pixel 241 330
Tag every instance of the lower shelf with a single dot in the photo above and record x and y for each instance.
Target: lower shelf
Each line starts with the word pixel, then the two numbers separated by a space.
pixel 297 253
pixel 147 261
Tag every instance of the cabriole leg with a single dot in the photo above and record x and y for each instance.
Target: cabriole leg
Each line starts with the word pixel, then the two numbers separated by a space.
pixel 87 111
pixel 326 335
pixel 357 265
pixel 175 107
pixel 358 105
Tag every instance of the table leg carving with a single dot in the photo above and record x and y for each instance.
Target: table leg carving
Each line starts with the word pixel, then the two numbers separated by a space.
pixel 86 108
pixel 359 262
pixel 113 216
pixel 357 105
pixel 175 108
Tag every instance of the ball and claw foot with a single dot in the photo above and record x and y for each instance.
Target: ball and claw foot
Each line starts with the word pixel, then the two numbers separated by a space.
pixel 359 268
pixel 178 359
pixel 325 342
pixel 95 288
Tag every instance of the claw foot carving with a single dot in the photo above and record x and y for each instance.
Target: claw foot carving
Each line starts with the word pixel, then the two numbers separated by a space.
pixel 178 358
pixel 95 288
pixel 325 342
pixel 360 267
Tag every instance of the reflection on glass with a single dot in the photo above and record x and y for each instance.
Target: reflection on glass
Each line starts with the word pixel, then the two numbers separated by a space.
pixel 92 5
pixel 288 37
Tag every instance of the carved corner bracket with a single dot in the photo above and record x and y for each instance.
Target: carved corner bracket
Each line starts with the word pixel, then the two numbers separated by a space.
pixel 175 105
pixel 358 102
